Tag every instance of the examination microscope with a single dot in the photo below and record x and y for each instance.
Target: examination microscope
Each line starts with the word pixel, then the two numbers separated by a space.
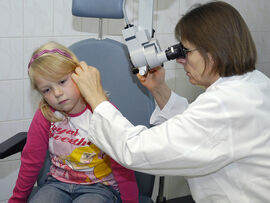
pixel 145 52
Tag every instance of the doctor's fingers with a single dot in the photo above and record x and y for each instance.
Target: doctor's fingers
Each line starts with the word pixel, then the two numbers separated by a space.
pixel 150 74
pixel 141 77
pixel 86 73
pixel 85 77
pixel 83 67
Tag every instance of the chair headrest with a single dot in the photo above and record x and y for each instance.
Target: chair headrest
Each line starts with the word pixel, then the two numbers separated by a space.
pixel 98 8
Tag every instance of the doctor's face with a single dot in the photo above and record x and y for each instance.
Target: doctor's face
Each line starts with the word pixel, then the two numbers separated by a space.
pixel 196 69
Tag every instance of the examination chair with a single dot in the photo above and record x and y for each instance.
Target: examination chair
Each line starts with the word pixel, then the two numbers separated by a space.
pixel 133 100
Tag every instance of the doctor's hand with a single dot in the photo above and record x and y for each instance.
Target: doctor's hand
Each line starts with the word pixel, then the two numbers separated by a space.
pixel 88 81
pixel 154 78
pixel 154 81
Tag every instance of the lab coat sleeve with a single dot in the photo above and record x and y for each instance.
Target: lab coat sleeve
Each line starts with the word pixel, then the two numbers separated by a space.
pixel 175 105
pixel 194 143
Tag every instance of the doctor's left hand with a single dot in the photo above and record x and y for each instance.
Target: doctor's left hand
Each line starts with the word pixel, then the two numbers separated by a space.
pixel 88 81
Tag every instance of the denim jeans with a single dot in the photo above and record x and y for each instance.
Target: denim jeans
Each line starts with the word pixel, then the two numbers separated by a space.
pixel 54 191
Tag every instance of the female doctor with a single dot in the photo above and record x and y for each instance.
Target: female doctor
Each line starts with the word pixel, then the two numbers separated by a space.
pixel 221 141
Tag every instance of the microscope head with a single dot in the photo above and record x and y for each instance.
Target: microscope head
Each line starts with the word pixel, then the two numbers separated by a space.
pixel 145 52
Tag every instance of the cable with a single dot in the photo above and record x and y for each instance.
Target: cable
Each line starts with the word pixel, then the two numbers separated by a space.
pixel 124 12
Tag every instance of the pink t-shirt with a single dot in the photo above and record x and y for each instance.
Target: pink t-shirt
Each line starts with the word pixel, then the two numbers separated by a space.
pixel 74 158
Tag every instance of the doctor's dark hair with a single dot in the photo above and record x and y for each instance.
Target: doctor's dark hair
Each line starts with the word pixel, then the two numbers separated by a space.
pixel 52 61
pixel 218 29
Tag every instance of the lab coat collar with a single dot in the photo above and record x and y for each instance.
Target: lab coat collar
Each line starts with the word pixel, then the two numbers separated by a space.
pixel 230 79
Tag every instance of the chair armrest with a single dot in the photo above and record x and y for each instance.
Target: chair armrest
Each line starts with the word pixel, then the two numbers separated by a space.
pixel 13 145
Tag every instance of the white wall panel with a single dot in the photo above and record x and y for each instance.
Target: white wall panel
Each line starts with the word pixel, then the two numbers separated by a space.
pixel 11 57
pixel 11 18
pixel 38 18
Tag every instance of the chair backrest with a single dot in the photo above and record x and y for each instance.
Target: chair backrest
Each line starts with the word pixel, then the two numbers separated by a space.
pixel 123 87
pixel 112 59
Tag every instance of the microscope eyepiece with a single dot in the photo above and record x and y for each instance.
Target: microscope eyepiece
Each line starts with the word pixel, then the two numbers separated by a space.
pixel 175 51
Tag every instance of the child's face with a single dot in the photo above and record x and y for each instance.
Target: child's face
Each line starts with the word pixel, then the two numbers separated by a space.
pixel 62 95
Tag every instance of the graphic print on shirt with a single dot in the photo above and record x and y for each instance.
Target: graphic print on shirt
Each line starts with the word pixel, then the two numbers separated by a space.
pixel 74 158
pixel 88 158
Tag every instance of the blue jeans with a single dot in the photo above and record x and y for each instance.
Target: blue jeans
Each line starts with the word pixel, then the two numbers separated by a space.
pixel 54 191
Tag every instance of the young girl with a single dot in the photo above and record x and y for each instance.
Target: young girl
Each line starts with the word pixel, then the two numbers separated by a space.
pixel 80 172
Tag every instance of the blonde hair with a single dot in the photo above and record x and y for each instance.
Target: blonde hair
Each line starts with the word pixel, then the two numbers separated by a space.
pixel 51 65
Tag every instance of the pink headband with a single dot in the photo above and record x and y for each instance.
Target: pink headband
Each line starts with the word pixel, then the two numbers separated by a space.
pixel 45 51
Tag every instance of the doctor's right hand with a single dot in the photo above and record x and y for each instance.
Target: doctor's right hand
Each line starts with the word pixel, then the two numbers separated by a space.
pixel 154 78
pixel 154 81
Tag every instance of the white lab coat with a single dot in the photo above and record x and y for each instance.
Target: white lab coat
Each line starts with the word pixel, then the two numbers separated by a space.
pixel 220 143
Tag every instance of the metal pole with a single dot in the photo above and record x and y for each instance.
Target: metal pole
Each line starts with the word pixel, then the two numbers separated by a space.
pixel 146 8
pixel 160 197
pixel 100 28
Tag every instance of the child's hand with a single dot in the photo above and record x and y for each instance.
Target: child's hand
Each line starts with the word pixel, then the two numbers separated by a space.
pixel 88 81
